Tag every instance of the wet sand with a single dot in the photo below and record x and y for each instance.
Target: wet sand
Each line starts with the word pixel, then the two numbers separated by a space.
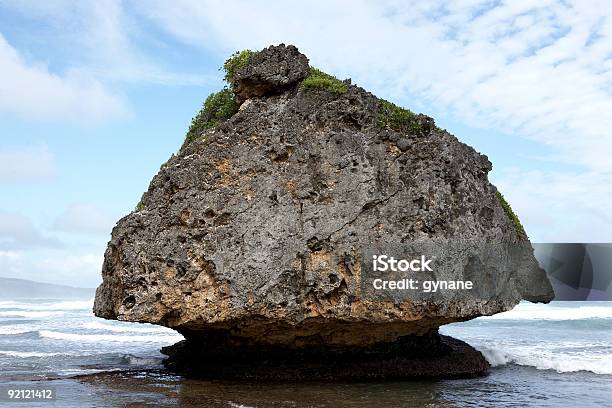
pixel 510 385
pixel 158 388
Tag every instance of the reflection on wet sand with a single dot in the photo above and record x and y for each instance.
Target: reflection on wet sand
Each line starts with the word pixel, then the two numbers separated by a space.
pixel 156 388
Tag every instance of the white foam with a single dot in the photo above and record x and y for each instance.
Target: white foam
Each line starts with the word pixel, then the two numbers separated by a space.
pixel 236 405
pixel 551 312
pixel 28 354
pixel 494 357
pixel 15 329
pixel 140 361
pixel 29 314
pixel 61 305
pixel 80 371
pixel 159 338
pixel 134 328
pixel 542 360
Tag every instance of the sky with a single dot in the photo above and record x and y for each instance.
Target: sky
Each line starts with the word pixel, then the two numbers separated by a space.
pixel 96 95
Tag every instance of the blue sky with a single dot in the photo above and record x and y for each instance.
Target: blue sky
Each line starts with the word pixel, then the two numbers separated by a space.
pixel 95 95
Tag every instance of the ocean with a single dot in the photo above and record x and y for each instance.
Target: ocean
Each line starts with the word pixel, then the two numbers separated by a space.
pixel 541 355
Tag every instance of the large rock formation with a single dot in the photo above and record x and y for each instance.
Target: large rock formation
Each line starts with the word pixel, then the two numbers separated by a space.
pixel 252 236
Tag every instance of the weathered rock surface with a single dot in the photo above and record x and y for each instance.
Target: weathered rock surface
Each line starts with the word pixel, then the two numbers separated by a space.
pixel 254 235
pixel 270 71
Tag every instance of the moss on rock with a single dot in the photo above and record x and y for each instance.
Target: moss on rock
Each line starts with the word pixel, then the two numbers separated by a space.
pixel 319 79
pixel 140 206
pixel 520 231
pixel 236 61
pixel 218 107
pixel 397 118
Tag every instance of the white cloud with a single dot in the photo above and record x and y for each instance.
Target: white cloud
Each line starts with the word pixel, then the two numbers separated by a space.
pixel 84 218
pixel 561 206
pixel 82 270
pixel 26 252
pixel 100 39
pixel 18 232
pixel 32 163
pixel 32 92
pixel 114 53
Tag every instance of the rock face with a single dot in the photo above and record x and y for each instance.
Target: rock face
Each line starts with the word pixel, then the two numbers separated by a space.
pixel 271 70
pixel 254 235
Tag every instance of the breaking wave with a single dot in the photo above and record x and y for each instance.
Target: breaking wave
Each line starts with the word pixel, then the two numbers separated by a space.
pixel 29 354
pixel 598 364
pixel 29 314
pixel 58 305
pixel 553 312
pixel 127 329
pixel 158 338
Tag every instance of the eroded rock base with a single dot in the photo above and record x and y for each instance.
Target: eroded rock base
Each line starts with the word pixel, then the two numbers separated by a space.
pixel 411 357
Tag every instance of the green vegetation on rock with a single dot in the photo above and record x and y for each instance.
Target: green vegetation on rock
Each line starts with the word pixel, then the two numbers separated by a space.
pixel 236 61
pixel 319 79
pixel 397 118
pixel 219 106
pixel 520 231
pixel 139 206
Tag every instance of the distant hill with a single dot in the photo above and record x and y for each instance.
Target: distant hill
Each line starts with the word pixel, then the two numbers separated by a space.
pixel 11 288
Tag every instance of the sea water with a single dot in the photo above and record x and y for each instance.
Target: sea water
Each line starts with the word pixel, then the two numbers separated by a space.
pixel 541 355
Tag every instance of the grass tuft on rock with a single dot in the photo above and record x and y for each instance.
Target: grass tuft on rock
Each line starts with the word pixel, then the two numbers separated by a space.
pixel 520 231
pixel 140 206
pixel 397 118
pixel 319 79
pixel 236 61
pixel 219 106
